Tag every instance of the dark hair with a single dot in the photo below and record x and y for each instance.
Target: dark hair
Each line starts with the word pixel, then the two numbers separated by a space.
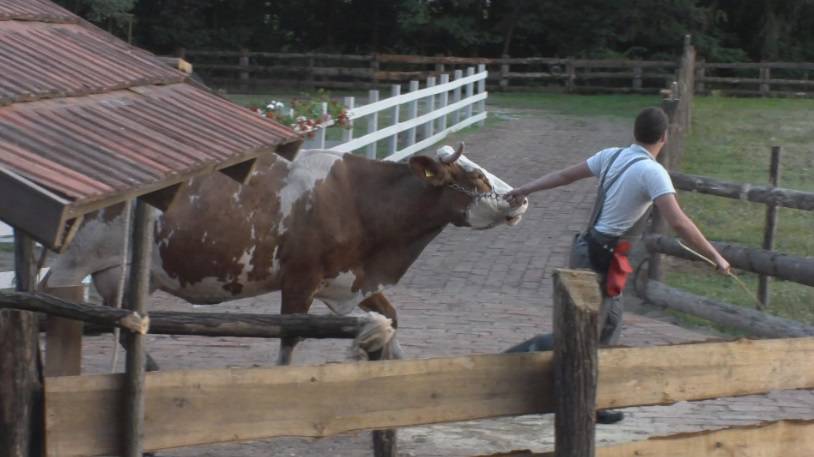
pixel 651 123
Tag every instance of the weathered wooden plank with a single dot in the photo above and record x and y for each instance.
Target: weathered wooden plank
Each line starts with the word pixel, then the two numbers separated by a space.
pixel 194 407
pixel 754 322
pixel 786 198
pixel 576 338
pixel 63 347
pixel 787 438
pixel 199 407
pixel 784 266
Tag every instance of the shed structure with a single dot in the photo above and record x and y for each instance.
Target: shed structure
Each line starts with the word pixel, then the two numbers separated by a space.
pixel 88 121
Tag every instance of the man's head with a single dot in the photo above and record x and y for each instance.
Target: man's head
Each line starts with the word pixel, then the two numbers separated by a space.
pixel 651 126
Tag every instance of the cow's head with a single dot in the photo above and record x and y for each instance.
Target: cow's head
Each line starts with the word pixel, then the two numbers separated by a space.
pixel 475 194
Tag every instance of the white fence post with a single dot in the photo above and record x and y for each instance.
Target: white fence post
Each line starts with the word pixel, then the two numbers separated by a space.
pixel 393 142
pixel 322 129
pixel 372 123
pixel 347 131
pixel 442 103
pixel 481 89
pixel 456 97
pixel 412 112
pixel 428 127
pixel 470 90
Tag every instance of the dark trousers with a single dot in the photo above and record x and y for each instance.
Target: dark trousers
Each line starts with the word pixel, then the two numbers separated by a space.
pixel 610 314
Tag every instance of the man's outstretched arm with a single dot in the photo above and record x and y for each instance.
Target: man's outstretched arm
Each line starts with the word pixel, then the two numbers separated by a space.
pixel 550 181
pixel 688 231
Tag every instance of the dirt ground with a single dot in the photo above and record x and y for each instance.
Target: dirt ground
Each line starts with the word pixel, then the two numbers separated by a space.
pixel 472 292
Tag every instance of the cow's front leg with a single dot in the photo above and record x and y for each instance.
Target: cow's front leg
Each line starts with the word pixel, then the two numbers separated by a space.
pixel 293 302
pixel 380 304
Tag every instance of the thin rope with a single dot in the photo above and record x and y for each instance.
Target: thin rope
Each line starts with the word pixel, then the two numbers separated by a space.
pixel 729 273
pixel 117 302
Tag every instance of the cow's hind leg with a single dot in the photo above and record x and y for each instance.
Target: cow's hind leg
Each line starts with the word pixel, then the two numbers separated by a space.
pixel 293 302
pixel 107 284
pixel 380 304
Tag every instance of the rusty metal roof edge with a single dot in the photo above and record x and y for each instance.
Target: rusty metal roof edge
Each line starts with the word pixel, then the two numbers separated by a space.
pixel 40 213
pixel 33 185
pixel 78 208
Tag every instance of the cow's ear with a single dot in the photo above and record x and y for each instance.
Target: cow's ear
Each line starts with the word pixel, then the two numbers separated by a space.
pixel 428 170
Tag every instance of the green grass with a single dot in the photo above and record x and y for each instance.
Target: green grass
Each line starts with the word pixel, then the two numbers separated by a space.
pixel 730 140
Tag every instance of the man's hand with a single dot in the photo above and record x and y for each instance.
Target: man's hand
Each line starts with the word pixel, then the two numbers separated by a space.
pixel 722 265
pixel 516 197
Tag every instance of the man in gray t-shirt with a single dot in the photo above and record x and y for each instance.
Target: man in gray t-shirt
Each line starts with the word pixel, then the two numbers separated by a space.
pixel 630 182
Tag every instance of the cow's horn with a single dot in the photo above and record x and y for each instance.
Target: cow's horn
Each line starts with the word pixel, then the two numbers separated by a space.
pixel 456 155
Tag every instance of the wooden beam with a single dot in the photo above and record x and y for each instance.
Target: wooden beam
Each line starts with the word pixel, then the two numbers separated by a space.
pixel 784 266
pixel 54 306
pixel 754 322
pixel 63 347
pixel 186 408
pixel 20 378
pixel 135 363
pixel 576 338
pixel 787 438
pixel 779 196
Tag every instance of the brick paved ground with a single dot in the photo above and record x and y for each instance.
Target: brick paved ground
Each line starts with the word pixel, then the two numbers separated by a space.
pixel 477 292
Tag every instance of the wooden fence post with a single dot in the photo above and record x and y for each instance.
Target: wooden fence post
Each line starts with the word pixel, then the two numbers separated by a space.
pixel 504 71
pixel 412 113
pixel 372 123
pixel 442 103
pixel 244 71
pixel 765 75
pixel 374 70
pixel 393 141
pixel 347 131
pixel 571 75
pixel 637 76
pixel 439 68
pixel 21 415
pixel 137 297
pixel 63 355
pixel 771 225
pixel 576 337
pixel 700 73
pixel 470 91
pixel 658 224
pixel 428 127
pixel 481 89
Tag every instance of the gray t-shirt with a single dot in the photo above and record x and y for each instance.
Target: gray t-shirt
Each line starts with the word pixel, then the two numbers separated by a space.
pixel 632 194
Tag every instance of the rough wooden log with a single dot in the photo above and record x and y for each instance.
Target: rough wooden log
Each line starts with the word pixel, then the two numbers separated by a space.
pixel 139 291
pixel 754 322
pixel 576 337
pixel 788 267
pixel 786 198
pixel 86 312
pixel 255 325
pixel 770 229
pixel 20 378
pixel 63 337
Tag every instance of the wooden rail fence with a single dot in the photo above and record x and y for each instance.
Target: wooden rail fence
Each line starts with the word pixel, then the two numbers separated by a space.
pixel 250 71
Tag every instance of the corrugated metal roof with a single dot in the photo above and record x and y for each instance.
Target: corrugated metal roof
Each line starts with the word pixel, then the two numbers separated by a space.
pixel 86 118
pixel 35 10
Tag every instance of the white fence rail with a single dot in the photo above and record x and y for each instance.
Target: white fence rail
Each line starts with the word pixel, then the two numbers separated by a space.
pixel 428 116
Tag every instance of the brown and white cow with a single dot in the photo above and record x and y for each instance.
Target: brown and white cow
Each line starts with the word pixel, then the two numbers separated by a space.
pixel 329 226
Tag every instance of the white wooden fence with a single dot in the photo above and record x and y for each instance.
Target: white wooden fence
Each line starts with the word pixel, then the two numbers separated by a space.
pixel 432 113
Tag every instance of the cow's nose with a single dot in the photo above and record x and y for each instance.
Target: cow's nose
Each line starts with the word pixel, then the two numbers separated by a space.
pixel 515 203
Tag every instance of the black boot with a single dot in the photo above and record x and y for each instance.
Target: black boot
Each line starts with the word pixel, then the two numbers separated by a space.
pixel 605 416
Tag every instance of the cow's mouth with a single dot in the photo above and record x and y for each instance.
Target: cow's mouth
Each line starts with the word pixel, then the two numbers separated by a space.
pixel 513 220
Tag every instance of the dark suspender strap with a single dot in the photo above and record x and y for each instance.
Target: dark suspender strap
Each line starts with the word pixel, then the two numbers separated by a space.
pixel 603 189
pixel 600 195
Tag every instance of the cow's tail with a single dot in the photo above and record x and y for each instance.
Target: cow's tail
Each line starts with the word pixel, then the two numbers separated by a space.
pixel 377 334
